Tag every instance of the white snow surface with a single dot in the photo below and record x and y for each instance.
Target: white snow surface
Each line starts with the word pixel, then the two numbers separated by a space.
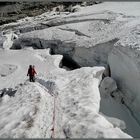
pixel 29 113
pixel 127 8
pixel 92 32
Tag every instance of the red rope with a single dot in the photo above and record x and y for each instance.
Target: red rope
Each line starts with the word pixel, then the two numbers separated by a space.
pixel 53 127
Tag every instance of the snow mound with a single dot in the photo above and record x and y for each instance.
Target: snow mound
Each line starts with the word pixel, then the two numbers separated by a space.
pixel 81 103
pixel 107 86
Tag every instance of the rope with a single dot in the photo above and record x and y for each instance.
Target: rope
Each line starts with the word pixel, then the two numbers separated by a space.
pixel 54 117
pixel 54 94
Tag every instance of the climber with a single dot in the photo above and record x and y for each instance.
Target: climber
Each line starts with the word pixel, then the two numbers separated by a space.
pixel 31 73
pixel 34 72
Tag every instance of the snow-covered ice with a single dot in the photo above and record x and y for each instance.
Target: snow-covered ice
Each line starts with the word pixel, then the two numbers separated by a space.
pixel 29 112
pixel 105 35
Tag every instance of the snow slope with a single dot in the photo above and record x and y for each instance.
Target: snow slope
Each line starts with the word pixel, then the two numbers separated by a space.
pixel 125 7
pixel 88 38
pixel 29 112
pixel 24 60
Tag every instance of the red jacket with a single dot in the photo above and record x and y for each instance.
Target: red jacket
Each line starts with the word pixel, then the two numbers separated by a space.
pixel 31 72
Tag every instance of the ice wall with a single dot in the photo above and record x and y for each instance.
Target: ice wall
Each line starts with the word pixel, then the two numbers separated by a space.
pixel 125 69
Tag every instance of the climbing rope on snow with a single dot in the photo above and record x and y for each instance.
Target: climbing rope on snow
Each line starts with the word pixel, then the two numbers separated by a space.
pixel 54 118
pixel 54 94
pixel 50 88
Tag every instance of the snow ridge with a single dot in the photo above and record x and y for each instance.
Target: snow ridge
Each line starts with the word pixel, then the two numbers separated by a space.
pixel 66 104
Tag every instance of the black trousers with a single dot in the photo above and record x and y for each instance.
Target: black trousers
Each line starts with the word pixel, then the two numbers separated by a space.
pixel 32 78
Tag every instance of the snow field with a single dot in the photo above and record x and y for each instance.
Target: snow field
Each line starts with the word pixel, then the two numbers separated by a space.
pixel 89 37
pixel 29 113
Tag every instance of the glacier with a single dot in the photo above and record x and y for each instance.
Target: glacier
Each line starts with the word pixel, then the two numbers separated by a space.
pixel 98 99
